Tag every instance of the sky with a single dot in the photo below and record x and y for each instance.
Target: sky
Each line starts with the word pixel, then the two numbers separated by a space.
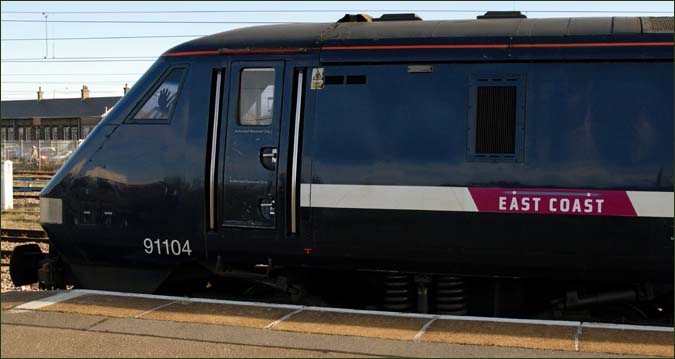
pixel 105 65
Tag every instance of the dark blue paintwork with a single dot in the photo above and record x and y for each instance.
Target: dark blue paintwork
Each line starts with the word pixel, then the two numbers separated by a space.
pixel 595 118
pixel 581 130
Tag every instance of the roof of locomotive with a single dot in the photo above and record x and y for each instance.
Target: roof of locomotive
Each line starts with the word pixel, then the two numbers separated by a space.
pixel 314 35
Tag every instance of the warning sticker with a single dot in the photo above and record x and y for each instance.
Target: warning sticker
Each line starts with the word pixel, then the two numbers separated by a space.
pixel 317 78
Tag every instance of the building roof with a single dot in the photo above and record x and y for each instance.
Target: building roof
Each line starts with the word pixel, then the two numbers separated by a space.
pixel 317 35
pixel 57 108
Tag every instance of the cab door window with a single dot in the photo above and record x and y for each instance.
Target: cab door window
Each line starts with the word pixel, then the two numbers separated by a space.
pixel 256 97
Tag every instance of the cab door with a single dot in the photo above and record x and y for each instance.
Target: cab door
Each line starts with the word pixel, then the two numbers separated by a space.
pixel 252 144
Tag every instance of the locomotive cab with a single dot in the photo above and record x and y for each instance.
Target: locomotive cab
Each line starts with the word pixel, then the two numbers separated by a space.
pixel 150 170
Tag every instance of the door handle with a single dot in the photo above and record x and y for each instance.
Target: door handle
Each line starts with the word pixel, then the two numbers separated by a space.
pixel 272 154
pixel 267 208
pixel 268 157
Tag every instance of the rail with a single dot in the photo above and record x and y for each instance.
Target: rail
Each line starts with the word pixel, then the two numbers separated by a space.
pixel 19 236
pixel 28 235
pixel 34 174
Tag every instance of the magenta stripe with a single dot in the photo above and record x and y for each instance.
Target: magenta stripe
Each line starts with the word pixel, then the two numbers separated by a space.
pixel 547 201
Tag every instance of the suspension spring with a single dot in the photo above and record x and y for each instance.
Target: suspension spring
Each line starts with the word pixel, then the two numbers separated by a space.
pixel 450 296
pixel 397 292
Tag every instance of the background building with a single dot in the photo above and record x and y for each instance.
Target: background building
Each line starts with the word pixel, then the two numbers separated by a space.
pixel 54 119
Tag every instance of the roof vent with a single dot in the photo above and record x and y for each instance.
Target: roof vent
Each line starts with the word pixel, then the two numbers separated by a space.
pixel 502 15
pixel 356 18
pixel 657 24
pixel 399 17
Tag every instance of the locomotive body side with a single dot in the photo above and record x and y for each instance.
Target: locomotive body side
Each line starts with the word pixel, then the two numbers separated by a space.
pixel 396 178
pixel 374 164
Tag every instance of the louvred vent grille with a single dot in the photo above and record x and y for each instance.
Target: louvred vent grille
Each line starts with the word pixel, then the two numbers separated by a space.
pixel 496 120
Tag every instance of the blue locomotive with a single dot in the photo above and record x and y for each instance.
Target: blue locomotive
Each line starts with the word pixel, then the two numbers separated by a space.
pixel 461 166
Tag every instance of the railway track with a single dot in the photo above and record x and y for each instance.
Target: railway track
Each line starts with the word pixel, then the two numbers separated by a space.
pixel 20 236
pixel 6 255
pixel 13 239
pixel 27 189
pixel 23 235
pixel 31 186
pixel 22 212
pixel 33 177
pixel 34 173
pixel 29 178
pixel 34 194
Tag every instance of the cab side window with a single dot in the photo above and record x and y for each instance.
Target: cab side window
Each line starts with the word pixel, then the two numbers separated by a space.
pixel 256 97
pixel 162 102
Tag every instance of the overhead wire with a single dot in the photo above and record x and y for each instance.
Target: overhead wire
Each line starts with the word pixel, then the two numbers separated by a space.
pixel 83 58
pixel 171 21
pixel 68 82
pixel 21 93
pixel 323 10
pixel 67 61
pixel 78 74
pixel 280 11
pixel 156 22
pixel 148 59
pixel 102 38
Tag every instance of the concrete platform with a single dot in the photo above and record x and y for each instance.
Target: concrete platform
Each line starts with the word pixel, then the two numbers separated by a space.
pixel 221 314
pixel 519 335
pixel 107 305
pixel 96 323
pixel 363 325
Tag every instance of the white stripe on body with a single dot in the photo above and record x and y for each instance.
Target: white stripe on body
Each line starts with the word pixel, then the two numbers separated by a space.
pixel 391 197
pixel 652 204
pixel 437 198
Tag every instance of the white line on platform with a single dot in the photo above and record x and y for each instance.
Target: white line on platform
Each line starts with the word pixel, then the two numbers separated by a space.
pixel 78 292
pixel 153 309
pixel 60 297
pixel 577 336
pixel 447 317
pixel 627 327
pixel 274 323
pixel 423 330
pixel 18 311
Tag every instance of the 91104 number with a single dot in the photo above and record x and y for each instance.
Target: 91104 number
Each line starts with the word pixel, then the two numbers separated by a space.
pixel 166 247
